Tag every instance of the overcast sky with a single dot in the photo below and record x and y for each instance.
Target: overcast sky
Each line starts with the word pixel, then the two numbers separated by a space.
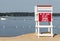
pixel 26 5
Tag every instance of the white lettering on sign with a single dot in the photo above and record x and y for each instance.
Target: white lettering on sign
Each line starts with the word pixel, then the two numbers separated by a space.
pixel 45 17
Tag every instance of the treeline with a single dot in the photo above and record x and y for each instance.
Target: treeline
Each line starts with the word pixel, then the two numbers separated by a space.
pixel 18 14
pixel 23 14
pixel 56 14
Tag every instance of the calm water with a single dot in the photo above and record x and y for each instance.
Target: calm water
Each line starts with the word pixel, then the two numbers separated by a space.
pixel 14 26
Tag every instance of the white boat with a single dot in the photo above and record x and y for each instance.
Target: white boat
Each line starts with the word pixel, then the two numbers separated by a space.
pixel 3 18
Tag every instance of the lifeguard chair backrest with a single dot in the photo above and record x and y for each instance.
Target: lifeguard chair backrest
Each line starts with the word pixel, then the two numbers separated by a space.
pixel 45 13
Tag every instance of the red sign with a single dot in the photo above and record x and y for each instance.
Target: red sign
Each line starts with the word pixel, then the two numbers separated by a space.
pixel 45 17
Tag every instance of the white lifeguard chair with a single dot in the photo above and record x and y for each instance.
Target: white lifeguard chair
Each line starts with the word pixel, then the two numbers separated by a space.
pixel 43 13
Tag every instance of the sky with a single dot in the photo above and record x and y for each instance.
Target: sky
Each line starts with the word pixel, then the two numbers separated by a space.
pixel 26 5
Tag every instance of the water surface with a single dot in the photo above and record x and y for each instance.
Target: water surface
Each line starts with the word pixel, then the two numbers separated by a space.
pixel 14 26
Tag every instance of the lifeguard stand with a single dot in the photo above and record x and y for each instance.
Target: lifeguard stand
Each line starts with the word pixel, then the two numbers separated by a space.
pixel 43 13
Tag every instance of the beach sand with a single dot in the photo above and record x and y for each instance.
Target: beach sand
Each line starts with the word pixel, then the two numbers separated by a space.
pixel 30 37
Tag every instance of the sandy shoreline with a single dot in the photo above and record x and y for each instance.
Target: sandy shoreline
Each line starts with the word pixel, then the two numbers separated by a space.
pixel 30 37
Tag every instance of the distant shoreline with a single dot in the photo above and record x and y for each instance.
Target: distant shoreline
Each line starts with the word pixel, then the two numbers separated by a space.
pixel 23 14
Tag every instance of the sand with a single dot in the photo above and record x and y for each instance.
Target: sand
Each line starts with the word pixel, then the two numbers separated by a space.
pixel 30 37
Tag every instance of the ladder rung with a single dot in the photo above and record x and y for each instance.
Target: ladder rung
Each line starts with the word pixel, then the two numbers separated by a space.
pixel 45 26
